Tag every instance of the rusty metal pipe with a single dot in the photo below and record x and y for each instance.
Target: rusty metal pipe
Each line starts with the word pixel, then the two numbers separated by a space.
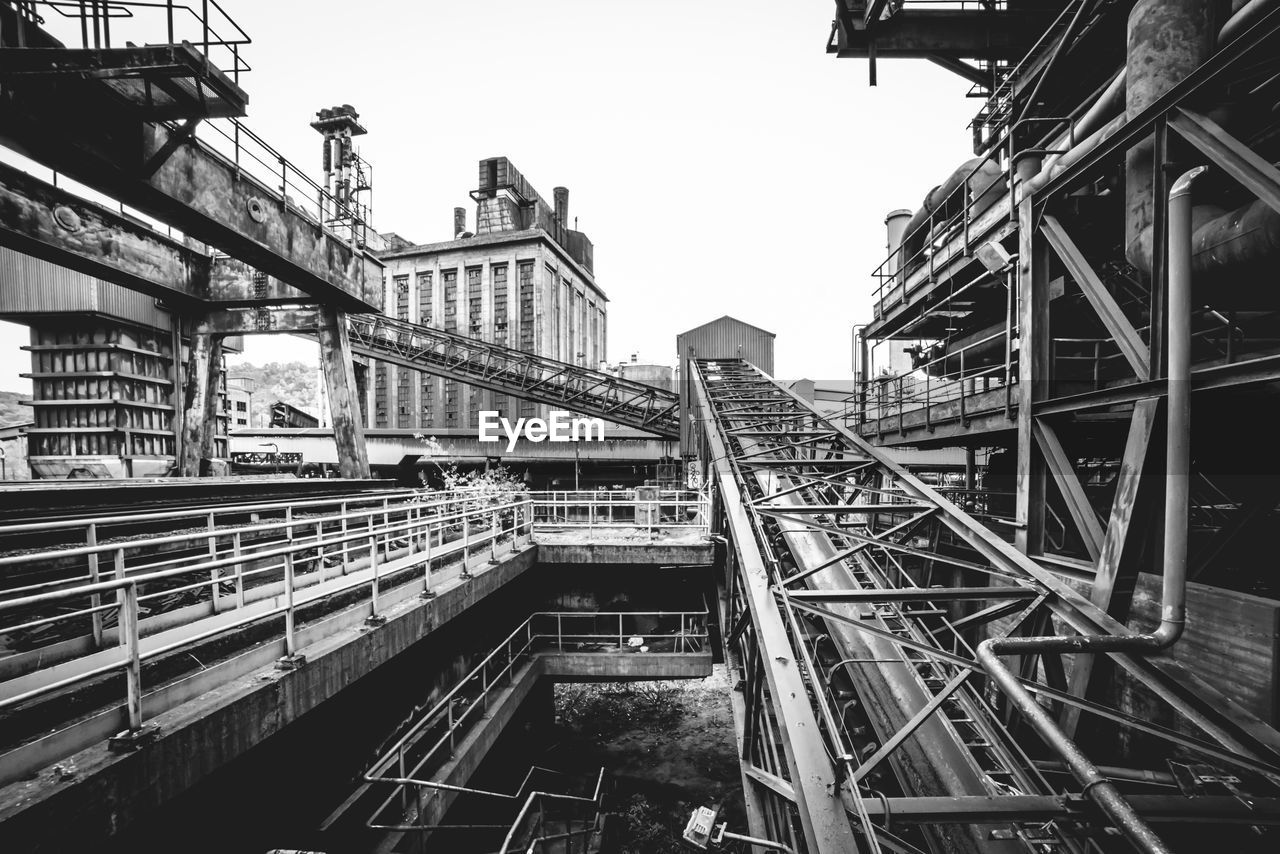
pixel 1097 786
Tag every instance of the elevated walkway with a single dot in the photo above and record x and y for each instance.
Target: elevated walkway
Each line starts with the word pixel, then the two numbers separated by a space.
pixel 515 372
pixel 183 651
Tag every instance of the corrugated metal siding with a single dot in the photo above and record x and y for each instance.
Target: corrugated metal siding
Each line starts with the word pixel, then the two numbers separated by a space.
pixel 31 286
pixel 725 338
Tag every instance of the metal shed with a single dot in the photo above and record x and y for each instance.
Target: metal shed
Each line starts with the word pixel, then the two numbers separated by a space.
pixel 723 338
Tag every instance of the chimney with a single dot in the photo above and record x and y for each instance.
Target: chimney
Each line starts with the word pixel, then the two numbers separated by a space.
pixel 562 205
pixel 459 221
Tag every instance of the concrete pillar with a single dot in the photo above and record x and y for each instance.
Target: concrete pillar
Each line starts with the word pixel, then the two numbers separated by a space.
pixel 340 381
pixel 199 416
pixel 212 395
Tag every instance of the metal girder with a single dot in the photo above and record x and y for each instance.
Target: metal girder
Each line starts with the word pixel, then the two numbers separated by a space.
pixel 1108 310
pixel 944 32
pixel 1260 370
pixel 77 126
pixel 1064 475
pixel 1161 808
pixel 1257 42
pixel 1229 154
pixel 813 779
pixel 866 586
pixel 247 321
pixel 918 594
pixel 510 371
pixel 47 222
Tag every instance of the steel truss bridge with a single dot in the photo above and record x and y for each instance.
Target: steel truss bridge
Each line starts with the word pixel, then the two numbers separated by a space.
pixel 516 372
pixel 854 598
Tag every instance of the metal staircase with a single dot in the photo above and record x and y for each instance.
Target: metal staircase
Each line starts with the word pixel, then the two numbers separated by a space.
pixel 515 372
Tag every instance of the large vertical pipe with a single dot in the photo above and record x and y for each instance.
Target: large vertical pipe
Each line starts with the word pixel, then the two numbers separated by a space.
pixel 895 226
pixel 1097 787
pixel 459 221
pixel 1167 39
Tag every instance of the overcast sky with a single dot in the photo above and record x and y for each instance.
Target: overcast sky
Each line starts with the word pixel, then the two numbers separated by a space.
pixel 719 160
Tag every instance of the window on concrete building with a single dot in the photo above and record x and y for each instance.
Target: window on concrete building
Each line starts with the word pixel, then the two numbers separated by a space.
pixel 425 293
pixel 403 398
pixel 526 307
pixel 242 406
pixel 553 283
pixel 450 278
pixel 450 403
pixel 402 297
pixel 426 418
pixel 475 303
pixel 499 274
pixel 380 396
pixel 571 316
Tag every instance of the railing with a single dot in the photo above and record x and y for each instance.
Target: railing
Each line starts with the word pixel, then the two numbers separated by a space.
pixel 121 603
pixel 218 38
pixel 669 509
pixel 527 831
pixel 209 28
pixel 271 577
pixel 881 399
pixel 431 740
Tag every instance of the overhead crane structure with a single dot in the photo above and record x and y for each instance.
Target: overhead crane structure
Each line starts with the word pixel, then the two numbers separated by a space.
pixel 855 598
pixel 157 127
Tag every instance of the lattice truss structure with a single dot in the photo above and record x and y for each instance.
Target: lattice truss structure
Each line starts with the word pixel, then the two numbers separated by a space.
pixel 510 371
pixel 855 597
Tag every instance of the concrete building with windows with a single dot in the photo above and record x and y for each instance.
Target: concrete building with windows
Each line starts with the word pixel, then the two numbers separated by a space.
pixel 523 279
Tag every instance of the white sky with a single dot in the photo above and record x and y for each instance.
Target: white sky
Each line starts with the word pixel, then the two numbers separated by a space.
pixel 719 160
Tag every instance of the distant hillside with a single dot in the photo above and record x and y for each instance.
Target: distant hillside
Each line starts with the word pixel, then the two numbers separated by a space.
pixel 14 408
pixel 293 382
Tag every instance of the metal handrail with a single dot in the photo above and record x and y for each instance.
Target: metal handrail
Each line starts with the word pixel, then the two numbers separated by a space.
pixel 128 597
pixel 602 510
pixel 98 14
pixel 445 710
pixel 935 389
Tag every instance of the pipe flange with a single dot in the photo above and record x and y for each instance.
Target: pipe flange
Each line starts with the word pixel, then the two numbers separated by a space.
pixel 257 209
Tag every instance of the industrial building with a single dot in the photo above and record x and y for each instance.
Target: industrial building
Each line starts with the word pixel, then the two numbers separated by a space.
pixel 1007 592
pixel 523 279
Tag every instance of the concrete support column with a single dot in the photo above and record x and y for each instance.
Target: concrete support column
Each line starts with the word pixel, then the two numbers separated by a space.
pixel 340 382
pixel 212 398
pixel 200 401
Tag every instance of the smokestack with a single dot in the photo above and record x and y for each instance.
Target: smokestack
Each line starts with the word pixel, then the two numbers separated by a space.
pixel 895 228
pixel 459 221
pixel 562 205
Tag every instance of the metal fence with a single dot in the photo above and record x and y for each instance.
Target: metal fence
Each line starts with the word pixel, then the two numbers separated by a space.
pixel 115 592
pixel 679 510
pixel 283 572
pixel 430 740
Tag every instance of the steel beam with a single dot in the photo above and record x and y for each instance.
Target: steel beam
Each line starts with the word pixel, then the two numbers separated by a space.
pixel 1104 304
pixel 47 222
pixel 1064 475
pixel 826 827
pixel 1229 154
pixel 77 128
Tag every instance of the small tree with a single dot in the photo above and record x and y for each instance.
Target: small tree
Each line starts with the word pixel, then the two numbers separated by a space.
pixel 495 481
